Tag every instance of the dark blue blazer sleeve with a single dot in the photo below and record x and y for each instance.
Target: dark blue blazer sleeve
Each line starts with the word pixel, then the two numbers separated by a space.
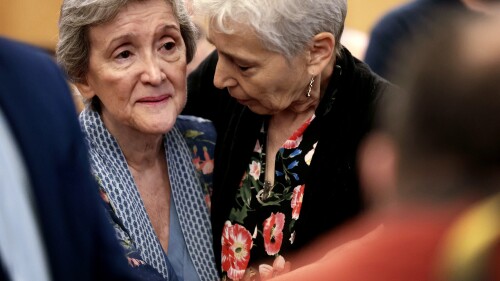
pixel 37 103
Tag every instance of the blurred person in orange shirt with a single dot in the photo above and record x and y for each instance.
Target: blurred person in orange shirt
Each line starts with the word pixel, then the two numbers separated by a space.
pixel 431 169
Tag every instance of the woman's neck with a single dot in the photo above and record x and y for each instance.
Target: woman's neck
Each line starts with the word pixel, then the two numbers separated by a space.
pixel 281 127
pixel 143 153
pixel 304 104
pixel 140 150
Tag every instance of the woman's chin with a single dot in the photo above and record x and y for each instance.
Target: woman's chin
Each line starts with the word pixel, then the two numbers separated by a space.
pixel 258 109
pixel 158 128
pixel 262 110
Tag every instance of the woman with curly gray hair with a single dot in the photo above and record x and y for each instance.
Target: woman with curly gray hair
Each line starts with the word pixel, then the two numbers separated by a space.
pixel 128 60
pixel 290 105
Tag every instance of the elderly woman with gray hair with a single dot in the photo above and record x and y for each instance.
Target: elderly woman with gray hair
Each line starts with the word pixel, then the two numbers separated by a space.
pixel 128 60
pixel 290 105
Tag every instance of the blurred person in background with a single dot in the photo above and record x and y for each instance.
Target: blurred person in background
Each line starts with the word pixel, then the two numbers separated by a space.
pixel 433 166
pixel 402 26
pixel 52 225
pixel 290 105
pixel 128 60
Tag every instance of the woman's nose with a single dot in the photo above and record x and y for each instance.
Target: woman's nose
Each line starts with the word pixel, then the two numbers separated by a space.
pixel 152 72
pixel 223 76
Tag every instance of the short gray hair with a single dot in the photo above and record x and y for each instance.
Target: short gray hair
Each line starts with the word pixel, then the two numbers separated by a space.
pixel 73 48
pixel 283 26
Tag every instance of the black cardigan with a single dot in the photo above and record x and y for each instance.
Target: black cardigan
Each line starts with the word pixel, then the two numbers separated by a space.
pixel 332 193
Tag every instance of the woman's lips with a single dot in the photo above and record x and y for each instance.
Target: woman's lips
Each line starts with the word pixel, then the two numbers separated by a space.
pixel 155 99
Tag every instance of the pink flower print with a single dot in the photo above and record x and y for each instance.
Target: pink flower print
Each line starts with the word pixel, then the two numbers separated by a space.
pixel 208 201
pixel 265 271
pixel 135 262
pixel 104 195
pixel 196 160
pixel 236 245
pixel 273 233
pixel 258 147
pixel 255 170
pixel 280 266
pixel 296 203
pixel 208 165
pixel 292 142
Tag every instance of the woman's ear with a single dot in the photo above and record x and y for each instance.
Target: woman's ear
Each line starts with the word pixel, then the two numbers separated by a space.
pixel 321 51
pixel 85 89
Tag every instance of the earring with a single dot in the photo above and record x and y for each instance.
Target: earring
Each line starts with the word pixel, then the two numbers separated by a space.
pixel 310 87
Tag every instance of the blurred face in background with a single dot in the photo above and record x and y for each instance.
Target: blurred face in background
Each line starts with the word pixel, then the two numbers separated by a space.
pixel 137 69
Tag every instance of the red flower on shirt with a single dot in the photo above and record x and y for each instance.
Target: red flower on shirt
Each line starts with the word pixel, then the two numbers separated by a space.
pixel 236 245
pixel 296 203
pixel 273 233
pixel 296 138
pixel 293 142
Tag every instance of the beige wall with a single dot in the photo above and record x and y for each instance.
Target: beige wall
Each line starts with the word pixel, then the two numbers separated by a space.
pixel 362 14
pixel 35 21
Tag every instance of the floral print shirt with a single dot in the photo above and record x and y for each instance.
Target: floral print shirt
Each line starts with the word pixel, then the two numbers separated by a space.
pixel 260 227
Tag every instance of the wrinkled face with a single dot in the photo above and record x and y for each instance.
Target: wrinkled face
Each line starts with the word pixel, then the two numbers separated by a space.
pixel 262 80
pixel 137 68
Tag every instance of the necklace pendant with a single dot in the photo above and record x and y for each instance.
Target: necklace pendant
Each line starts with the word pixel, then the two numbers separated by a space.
pixel 267 189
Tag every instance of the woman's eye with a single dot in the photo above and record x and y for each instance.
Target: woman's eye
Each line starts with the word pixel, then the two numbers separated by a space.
pixel 124 55
pixel 243 68
pixel 169 46
pixel 170 49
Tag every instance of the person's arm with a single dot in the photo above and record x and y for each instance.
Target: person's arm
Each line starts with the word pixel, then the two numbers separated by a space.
pixel 382 46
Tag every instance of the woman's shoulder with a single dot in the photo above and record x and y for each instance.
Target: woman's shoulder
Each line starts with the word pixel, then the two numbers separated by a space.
pixel 200 136
pixel 196 130
pixel 192 126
